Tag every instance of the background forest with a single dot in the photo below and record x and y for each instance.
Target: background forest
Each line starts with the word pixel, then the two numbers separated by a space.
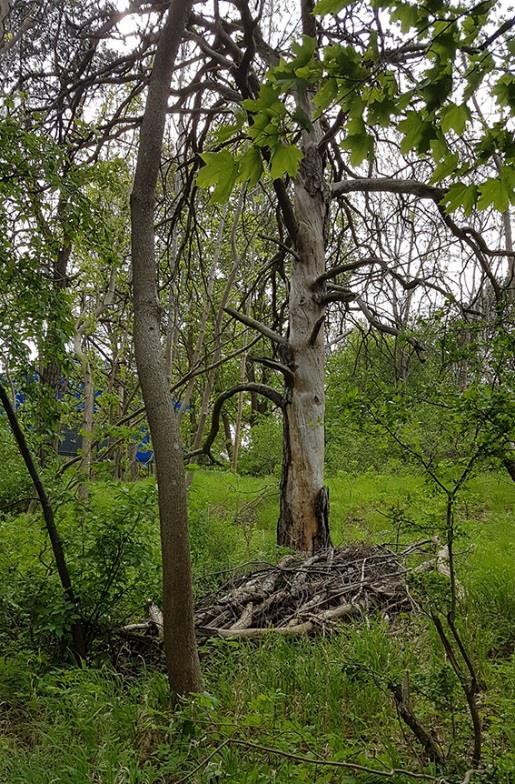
pixel 257 287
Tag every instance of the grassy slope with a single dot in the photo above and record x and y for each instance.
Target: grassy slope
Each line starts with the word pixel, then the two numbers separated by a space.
pixel 73 727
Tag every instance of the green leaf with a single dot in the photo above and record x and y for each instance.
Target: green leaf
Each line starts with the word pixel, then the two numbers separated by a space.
pixel 330 6
pixel 360 145
pixel 418 133
pixel 439 149
pixel 494 192
pixel 447 166
pixel 267 100
pixel 251 166
pixel 303 52
pixel 407 15
pixel 444 43
pixel 461 195
pixel 326 95
pixel 225 132
pixel 286 159
pixel 454 117
pixel 436 87
pixel 504 91
pixel 303 119
pixel 220 171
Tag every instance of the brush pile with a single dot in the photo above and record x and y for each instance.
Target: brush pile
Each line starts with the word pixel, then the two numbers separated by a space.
pixel 300 596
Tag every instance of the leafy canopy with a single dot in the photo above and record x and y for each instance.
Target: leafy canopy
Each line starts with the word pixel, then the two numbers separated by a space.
pixel 431 111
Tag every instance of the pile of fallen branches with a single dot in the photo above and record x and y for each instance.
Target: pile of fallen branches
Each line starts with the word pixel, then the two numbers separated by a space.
pixel 299 596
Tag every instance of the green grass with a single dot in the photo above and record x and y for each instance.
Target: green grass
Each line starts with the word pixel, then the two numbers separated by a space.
pixel 326 696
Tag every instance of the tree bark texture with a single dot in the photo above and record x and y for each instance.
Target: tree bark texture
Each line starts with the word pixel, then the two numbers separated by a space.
pixel 179 634
pixel 304 508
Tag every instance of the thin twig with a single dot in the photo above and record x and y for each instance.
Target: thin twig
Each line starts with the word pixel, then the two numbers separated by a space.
pixel 336 763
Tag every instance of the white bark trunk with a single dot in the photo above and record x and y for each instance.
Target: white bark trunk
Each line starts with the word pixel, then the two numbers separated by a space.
pixel 303 523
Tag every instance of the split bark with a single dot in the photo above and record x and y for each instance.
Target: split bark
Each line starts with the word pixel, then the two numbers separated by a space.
pixel 304 508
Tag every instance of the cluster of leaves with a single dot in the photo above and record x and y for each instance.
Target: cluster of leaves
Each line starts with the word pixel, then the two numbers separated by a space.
pixel 431 112
pixel 430 418
pixel 113 555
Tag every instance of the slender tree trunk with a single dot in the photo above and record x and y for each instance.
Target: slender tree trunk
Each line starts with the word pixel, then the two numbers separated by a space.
pixel 228 435
pixel 87 423
pixel 211 376
pixel 179 632
pixel 304 508
pixel 76 630
pixel 199 344
pixel 51 366
pixel 239 409
pixel 87 416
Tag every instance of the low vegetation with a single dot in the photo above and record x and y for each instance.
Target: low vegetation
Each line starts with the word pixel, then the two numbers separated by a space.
pixel 323 697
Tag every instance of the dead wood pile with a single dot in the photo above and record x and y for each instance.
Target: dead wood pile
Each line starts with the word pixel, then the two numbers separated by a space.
pixel 300 596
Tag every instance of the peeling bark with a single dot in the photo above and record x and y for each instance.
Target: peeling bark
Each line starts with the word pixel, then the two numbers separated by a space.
pixel 304 522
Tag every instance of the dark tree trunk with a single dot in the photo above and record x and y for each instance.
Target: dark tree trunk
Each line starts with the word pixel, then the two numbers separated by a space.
pixel 76 629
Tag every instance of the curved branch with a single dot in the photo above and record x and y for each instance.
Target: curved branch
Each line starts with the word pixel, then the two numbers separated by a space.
pixel 341 268
pixel 260 389
pixel 275 365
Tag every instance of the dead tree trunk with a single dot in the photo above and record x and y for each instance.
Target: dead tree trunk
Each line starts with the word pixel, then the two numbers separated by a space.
pixel 304 522
pixel 179 633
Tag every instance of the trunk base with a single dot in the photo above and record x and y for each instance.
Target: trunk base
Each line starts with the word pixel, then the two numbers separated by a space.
pixel 291 534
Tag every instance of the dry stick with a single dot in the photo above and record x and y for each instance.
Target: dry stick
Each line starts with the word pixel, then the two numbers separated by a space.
pixel 77 632
pixel 343 610
pixel 468 689
pixel 202 764
pixel 336 763
pixel 402 703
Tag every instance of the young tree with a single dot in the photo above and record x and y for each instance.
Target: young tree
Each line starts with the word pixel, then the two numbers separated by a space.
pixel 179 632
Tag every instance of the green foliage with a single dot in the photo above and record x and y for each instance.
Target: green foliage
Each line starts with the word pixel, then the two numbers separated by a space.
pixel 15 484
pixel 113 556
pixel 262 455
pixel 285 160
pixel 325 694
pixel 430 115
pixel 220 170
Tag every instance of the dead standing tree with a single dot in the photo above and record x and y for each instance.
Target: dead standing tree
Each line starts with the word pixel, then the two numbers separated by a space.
pixel 328 90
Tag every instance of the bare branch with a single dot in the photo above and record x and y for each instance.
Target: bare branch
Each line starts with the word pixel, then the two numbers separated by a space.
pixel 275 365
pixel 387 185
pixel 250 322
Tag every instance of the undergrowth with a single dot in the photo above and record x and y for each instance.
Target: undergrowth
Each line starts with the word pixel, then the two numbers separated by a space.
pixel 325 697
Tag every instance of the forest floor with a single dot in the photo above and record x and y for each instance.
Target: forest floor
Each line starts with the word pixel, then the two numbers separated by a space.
pixel 275 709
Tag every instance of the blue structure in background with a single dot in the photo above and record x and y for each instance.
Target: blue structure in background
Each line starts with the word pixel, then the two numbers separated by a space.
pixel 71 440
pixel 144 456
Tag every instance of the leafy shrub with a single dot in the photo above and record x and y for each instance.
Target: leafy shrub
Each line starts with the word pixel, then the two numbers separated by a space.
pixel 15 484
pixel 263 454
pixel 113 555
